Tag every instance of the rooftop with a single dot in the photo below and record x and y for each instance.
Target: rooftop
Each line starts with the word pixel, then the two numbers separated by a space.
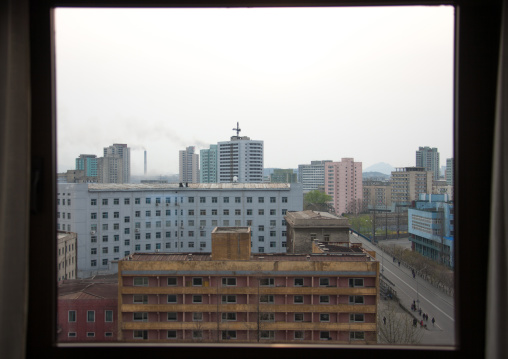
pixel 104 287
pixel 193 186
pixel 309 214
pixel 351 256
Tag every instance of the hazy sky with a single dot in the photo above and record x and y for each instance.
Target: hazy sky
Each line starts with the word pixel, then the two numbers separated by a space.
pixel 369 83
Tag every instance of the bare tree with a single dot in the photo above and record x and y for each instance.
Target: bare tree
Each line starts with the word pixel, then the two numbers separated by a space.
pixel 396 326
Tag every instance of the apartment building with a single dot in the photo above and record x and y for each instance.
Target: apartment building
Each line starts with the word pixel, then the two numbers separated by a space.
pixel 115 166
pixel 87 310
pixel 208 165
pixel 240 160
pixel 377 195
pixel 234 296
pixel 312 176
pixel 280 175
pixel 188 165
pixel 66 257
pixel 113 220
pixel 431 227
pixel 343 181
pixel 408 182
pixel 428 158
pixel 449 171
pixel 88 164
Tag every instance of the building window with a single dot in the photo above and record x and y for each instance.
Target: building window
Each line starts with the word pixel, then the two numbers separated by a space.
pixel 284 200
pixel 324 317
pixel 140 316
pixel 197 299
pixel 228 334
pixel 273 212
pixel 324 282
pixel 356 299
pixel 90 316
pixel 355 282
pixel 214 213
pixel 273 200
pixel 267 317
pixel 261 199
pixel 228 317
pixel 108 316
pixel 93 251
pixel 172 316
pixel 127 219
pixel 324 299
pixel 214 199
pixel 197 316
pixel 357 317
pixel 140 299
pixel 266 282
pixel 72 316
pixel 273 244
pixel 299 334
pixel 298 282
pixel 202 212
pixel 249 199
pixel 324 335
pixel 126 201
pixel 238 212
pixel 226 199
pixel 172 298
pixel 104 201
pixel 231 281
pixel 104 262
pixel 93 263
pixel 171 334
pixel 266 298
pixel 298 299
pixel 90 334
pixel 148 200
pixel 261 212
pixel 140 334
pixel 197 282
pixel 140 281
pixel 172 281
pixel 202 199
pixel 267 334
pixel 93 202
pixel 197 334
pixel 148 213
pixel 137 200
pixel 261 249
pixel 261 238
pixel 105 250
pixel 298 317
pixel 105 215
pixel 228 299
pixel 72 334
pixel 226 212
pixel 93 215
pixel 108 334
pixel 357 335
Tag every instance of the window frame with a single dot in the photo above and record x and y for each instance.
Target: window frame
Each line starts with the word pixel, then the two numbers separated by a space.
pixel 477 41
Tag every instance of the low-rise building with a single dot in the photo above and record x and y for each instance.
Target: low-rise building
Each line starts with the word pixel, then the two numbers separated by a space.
pixel 304 227
pixel 431 227
pixel 66 258
pixel 88 310
pixel 234 296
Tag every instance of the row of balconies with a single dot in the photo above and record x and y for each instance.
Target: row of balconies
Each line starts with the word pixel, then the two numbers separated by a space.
pixel 251 308
pixel 251 290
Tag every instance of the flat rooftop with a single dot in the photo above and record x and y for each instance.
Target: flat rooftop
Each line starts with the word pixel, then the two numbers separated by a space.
pixel 190 186
pixel 353 256
pixel 314 215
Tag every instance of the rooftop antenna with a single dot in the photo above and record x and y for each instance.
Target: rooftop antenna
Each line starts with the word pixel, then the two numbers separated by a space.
pixel 237 129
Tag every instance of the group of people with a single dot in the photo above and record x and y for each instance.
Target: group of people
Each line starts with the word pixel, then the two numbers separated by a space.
pixel 425 316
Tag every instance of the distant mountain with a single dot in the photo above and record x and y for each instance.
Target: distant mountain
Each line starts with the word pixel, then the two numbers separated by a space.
pixel 380 167
pixel 375 176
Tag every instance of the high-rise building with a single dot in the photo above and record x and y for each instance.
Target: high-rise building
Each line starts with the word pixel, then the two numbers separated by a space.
pixel 189 165
pixel 408 183
pixel 113 220
pixel 449 171
pixel 208 165
pixel 240 160
pixel 88 164
pixel 343 181
pixel 312 176
pixel 115 166
pixel 428 158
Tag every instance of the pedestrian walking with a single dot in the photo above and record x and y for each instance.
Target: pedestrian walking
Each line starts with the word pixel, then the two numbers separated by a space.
pixel 393 259
pixel 421 322
pixel 384 320
pixel 399 263
pixel 414 322
pixel 433 321
pixel 420 311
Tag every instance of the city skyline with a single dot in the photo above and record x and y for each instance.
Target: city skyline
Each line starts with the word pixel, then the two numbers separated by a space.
pixel 371 84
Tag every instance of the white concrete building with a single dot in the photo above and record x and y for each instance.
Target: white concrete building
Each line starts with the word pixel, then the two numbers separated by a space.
pixel 312 176
pixel 188 165
pixel 240 159
pixel 115 166
pixel 112 221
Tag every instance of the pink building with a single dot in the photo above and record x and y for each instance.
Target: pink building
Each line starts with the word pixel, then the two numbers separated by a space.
pixel 88 310
pixel 343 181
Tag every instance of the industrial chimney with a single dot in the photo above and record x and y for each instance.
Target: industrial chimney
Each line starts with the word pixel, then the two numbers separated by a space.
pixel 145 162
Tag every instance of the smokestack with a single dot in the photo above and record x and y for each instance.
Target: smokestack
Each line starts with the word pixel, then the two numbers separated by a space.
pixel 145 162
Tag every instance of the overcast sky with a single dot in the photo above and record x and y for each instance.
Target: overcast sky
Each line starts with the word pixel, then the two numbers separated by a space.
pixel 369 83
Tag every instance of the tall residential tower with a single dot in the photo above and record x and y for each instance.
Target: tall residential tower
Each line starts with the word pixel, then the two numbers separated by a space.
pixel 428 158
pixel 189 165
pixel 343 181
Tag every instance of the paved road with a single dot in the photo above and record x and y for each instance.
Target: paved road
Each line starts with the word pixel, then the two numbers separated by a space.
pixel 431 300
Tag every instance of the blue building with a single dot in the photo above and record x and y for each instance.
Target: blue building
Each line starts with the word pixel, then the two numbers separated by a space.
pixel 208 165
pixel 431 227
pixel 88 164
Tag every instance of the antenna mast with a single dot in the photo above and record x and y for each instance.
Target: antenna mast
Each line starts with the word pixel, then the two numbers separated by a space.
pixel 237 129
